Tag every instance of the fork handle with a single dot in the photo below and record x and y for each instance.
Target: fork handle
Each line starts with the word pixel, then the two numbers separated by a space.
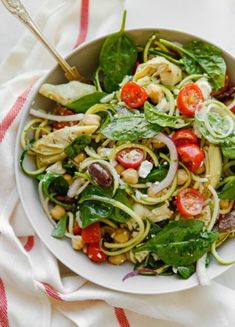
pixel 17 8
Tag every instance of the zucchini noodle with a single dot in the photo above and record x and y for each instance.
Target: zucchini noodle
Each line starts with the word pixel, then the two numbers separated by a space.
pixel 147 200
pixel 219 258
pixel 215 209
pixel 28 127
pixel 228 209
pixel 147 46
pixel 170 99
pixel 226 168
pixel 189 79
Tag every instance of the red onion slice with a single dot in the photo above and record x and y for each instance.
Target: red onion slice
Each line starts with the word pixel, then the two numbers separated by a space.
pixel 44 115
pixel 138 272
pixel 173 163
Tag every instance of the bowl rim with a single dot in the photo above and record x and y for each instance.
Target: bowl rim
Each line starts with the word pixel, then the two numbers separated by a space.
pixel 24 114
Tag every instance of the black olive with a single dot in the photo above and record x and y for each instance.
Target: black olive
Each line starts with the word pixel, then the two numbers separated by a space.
pixel 100 175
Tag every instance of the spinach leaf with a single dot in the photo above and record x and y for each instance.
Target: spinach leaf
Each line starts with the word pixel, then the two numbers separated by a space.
pixel 60 228
pixel 69 167
pixel 154 116
pixel 228 151
pixel 95 190
pixel 85 102
pixel 117 58
pixel 228 191
pixel 180 243
pixel 199 57
pixel 157 174
pixel 92 211
pixel 130 128
pixel 77 146
pixel 54 184
pixel 185 271
pixel 119 215
pixel 202 58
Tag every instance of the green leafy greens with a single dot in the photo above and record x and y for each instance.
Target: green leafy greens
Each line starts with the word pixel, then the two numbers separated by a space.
pixel 228 191
pixel 199 57
pixel 155 116
pixel 130 128
pixel 85 102
pixel 73 149
pixel 92 211
pixel 180 243
pixel 117 58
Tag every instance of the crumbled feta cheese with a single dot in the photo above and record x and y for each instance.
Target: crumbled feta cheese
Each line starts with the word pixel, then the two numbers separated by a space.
pixel 56 168
pixel 145 168
pixel 205 87
pixel 163 105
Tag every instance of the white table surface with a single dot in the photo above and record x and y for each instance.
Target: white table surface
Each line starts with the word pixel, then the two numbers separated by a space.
pixel 11 28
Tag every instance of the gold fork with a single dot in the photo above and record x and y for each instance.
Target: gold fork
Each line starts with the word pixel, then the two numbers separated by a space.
pixel 16 8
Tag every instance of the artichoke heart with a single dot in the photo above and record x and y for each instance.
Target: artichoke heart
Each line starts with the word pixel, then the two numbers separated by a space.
pixel 50 148
pixel 167 72
pixel 66 93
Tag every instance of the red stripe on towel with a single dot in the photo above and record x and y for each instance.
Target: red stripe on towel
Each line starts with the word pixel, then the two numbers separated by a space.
pixel 15 109
pixel 121 317
pixel 83 28
pixel 52 292
pixel 29 243
pixel 3 306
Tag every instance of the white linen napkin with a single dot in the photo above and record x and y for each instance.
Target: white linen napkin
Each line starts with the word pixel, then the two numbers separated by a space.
pixel 35 290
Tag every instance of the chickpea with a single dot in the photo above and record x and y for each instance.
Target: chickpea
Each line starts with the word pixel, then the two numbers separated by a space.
pixel 77 243
pixel 130 176
pixel 79 158
pixel 68 178
pixel 119 169
pixel 200 170
pixel 182 176
pixel 157 144
pixel 57 212
pixel 121 235
pixel 91 119
pixel 117 259
pixel 224 204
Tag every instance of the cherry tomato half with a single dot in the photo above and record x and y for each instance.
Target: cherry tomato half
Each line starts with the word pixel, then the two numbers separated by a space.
pixel 189 99
pixel 191 155
pixel 92 233
pixel 184 136
pixel 95 253
pixel 189 202
pixel 130 157
pixel 133 95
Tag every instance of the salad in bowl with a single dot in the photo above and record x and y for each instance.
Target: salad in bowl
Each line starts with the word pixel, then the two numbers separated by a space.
pixel 138 164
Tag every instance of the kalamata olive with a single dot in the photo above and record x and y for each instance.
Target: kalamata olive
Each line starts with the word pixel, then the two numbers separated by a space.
pixel 100 175
pixel 226 223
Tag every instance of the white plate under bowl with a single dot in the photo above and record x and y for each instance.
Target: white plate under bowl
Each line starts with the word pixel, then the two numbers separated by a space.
pixel 106 275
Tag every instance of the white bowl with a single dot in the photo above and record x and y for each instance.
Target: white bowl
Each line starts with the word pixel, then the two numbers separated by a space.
pixel 86 59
